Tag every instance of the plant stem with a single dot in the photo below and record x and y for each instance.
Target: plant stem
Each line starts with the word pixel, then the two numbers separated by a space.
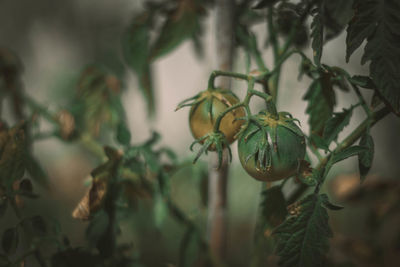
pixel 347 142
pixel 218 178
pixel 275 48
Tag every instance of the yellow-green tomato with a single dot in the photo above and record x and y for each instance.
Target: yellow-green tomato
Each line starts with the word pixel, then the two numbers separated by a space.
pixel 204 114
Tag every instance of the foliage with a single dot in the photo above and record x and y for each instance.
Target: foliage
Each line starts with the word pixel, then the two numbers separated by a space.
pixel 129 176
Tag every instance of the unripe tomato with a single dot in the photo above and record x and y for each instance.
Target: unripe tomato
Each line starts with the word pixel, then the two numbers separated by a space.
pixel 281 153
pixel 209 106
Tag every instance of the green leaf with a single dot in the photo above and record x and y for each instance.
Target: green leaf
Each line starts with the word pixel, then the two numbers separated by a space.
pixel 319 142
pixel 317 35
pixel 336 16
pixel 365 158
pixel 303 237
pixel 363 81
pixel 348 152
pixel 123 134
pixel 336 124
pixel 273 207
pixel 136 51
pixel 181 24
pixel 9 240
pixel 328 204
pixel 378 22
pixel 321 100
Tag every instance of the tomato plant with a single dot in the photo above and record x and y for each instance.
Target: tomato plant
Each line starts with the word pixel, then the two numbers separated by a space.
pixel 145 205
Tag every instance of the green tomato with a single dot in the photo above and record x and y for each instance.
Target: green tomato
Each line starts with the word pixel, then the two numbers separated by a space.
pixel 277 156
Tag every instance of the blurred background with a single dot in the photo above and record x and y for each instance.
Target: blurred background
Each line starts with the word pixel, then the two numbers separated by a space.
pixel 56 40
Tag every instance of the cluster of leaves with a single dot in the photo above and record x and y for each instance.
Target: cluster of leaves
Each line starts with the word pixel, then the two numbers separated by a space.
pixel 173 22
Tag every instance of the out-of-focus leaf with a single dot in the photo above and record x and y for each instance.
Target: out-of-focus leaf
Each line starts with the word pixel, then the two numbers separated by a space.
pixel 98 90
pixel 336 16
pixel 317 35
pixel 9 240
pixel 348 152
pixel 336 124
pixel 12 155
pixel 181 24
pixel 319 142
pixel 123 134
pixel 273 207
pixel 136 49
pixel 378 22
pixel 321 100
pixel 365 158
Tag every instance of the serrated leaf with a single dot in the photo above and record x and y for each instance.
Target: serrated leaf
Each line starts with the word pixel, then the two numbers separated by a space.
pixel 365 158
pixel 328 204
pixel 317 36
pixel 9 240
pixel 336 124
pixel 348 152
pixel 321 100
pixel 123 134
pixel 302 240
pixel 378 22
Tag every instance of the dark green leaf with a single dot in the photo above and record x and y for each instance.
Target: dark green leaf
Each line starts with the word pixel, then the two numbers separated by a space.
pixel 336 124
pixel 317 35
pixel 348 152
pixel 328 204
pixel 363 81
pixel 376 100
pixel 365 158
pixel 321 100
pixel 378 22
pixel 123 134
pixel 303 236
pixel 336 16
pixel 9 240
pixel 273 207
pixel 319 142
pixel 136 48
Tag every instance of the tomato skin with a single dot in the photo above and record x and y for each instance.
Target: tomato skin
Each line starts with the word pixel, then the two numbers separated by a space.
pixel 290 150
pixel 202 122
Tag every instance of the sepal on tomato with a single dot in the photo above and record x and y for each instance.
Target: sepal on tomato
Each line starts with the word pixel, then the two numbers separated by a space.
pixel 212 141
